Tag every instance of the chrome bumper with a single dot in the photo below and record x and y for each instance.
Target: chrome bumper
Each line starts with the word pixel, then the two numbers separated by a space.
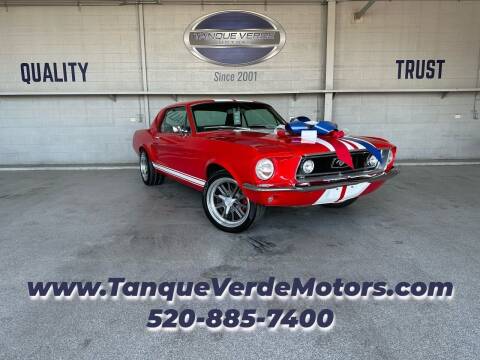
pixel 345 181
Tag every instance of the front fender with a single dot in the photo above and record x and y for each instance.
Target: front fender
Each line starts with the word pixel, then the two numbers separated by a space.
pixel 227 166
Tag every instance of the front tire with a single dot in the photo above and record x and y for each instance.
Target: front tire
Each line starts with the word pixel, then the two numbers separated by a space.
pixel 226 206
pixel 148 173
pixel 340 205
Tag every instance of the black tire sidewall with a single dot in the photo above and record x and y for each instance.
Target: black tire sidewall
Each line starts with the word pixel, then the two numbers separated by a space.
pixel 154 178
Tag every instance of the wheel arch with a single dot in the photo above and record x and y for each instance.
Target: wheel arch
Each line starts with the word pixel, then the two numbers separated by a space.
pixel 213 168
pixel 146 149
pixel 215 165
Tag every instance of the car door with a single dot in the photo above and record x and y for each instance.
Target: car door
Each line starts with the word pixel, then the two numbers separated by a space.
pixel 169 141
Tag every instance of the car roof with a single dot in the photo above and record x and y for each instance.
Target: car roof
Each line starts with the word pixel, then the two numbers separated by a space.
pixel 206 101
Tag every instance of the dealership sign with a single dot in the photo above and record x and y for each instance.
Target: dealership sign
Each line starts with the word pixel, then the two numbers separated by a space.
pixel 234 38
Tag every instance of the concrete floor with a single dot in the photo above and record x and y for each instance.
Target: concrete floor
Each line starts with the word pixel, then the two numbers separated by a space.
pixel 90 225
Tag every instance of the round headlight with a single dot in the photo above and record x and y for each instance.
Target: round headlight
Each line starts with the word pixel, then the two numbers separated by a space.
pixel 308 166
pixel 372 161
pixel 264 169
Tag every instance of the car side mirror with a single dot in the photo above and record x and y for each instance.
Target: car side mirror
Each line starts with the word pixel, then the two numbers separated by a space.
pixel 181 130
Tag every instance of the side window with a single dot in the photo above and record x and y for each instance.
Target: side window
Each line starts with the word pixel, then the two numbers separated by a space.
pixel 175 121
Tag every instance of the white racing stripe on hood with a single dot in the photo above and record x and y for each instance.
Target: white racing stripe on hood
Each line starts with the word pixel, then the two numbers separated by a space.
pixel 326 144
pixel 349 147
pixel 352 140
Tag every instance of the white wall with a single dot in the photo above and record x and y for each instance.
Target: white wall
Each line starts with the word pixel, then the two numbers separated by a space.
pixel 106 37
pixel 36 130
pixel 97 129
pixel 66 130
pixel 366 51
pixel 423 126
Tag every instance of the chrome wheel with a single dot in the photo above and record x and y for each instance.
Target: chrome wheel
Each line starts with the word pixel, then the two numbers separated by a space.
pixel 144 166
pixel 226 203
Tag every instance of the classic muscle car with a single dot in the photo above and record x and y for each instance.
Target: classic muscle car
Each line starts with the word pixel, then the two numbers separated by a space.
pixel 244 157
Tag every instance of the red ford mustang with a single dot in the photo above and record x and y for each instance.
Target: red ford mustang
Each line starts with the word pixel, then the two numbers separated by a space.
pixel 244 157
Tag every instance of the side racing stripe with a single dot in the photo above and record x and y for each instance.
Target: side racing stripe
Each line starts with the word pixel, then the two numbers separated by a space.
pixel 179 174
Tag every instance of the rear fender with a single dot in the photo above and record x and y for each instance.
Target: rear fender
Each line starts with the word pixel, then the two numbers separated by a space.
pixel 142 139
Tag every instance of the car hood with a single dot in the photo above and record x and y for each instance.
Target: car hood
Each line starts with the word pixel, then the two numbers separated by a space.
pixel 267 142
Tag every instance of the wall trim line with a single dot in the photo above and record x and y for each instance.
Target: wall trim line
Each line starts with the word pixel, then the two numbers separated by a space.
pixel 135 167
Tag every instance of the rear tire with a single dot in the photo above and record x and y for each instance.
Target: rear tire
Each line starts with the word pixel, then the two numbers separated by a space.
pixel 340 205
pixel 226 206
pixel 149 175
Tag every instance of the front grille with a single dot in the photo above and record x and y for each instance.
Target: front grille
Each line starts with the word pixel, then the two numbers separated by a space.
pixel 328 164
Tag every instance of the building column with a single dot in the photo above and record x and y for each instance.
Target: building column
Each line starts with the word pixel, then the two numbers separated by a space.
pixel 329 60
pixel 143 55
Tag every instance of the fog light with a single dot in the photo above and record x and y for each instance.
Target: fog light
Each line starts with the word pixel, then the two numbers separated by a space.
pixel 308 166
pixel 372 162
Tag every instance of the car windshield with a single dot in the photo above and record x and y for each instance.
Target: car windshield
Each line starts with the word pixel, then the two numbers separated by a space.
pixel 220 115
